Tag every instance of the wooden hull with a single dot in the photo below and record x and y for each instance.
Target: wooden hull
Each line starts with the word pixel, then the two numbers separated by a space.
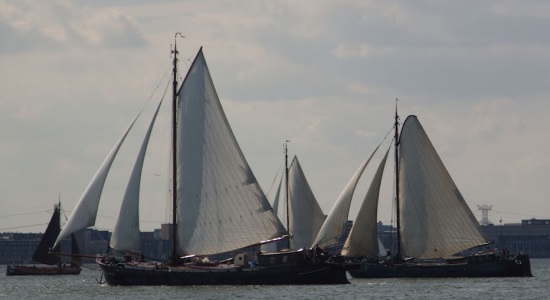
pixel 474 266
pixel 292 273
pixel 14 270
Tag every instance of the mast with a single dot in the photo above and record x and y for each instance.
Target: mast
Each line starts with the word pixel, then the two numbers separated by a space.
pixel 287 193
pixel 396 149
pixel 174 151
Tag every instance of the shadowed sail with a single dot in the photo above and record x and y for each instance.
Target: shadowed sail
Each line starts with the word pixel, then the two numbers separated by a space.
pixel 335 225
pixel 85 212
pixel 126 232
pixel 221 207
pixel 363 237
pixel 306 216
pixel 436 221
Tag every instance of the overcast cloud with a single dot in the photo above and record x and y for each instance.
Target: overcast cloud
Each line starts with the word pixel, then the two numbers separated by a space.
pixel 322 74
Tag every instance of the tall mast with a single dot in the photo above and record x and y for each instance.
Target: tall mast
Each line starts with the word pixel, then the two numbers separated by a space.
pixel 396 149
pixel 174 152
pixel 287 193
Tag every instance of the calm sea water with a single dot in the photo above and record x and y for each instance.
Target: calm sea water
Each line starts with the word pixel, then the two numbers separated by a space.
pixel 84 286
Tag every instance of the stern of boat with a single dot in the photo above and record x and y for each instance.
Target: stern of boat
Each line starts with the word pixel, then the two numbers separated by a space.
pixel 525 265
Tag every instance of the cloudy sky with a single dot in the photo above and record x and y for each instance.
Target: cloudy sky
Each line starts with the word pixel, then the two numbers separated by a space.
pixel 322 74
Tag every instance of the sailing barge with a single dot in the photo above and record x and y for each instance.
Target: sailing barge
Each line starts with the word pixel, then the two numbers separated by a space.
pixel 52 263
pixel 436 230
pixel 217 206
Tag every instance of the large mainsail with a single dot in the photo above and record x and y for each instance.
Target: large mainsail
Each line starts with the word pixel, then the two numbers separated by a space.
pixel 363 237
pixel 221 207
pixel 85 212
pixel 436 221
pixel 126 232
pixel 335 224
pixel 306 216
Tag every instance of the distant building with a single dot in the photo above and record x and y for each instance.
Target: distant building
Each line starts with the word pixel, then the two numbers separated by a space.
pixel 19 247
pixel 530 236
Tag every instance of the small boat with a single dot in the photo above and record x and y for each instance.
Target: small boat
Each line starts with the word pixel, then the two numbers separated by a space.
pixel 52 264
pixel 437 233
pixel 218 207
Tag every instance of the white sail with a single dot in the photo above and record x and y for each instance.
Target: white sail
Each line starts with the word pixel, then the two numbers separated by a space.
pixel 221 207
pixel 277 197
pixel 85 212
pixel 126 232
pixel 381 249
pixel 306 216
pixel 334 226
pixel 272 247
pixel 435 220
pixel 363 237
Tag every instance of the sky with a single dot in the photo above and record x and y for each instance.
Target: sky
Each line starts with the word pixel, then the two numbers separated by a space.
pixel 324 75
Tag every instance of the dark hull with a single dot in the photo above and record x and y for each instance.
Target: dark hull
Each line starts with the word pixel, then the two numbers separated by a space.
pixel 292 274
pixel 490 266
pixel 15 270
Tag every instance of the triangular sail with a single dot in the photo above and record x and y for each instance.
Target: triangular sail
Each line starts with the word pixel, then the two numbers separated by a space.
pixel 363 237
pixel 277 197
pixel 126 232
pixel 221 207
pixel 273 247
pixel 85 212
pixel 435 219
pixel 381 249
pixel 42 254
pixel 306 216
pixel 274 197
pixel 334 226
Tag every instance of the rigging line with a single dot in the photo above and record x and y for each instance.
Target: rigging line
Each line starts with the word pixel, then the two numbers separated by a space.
pixel 152 94
pixel 393 209
pixel 157 87
pixel 7 228
pixel 64 214
pixel 28 213
pixel 518 214
pixel 389 131
pixel 160 157
pixel 275 179
pixel 145 221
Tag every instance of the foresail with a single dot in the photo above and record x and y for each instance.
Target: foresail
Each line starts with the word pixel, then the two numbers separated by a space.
pixel 435 219
pixel 277 197
pixel 221 207
pixel 42 254
pixel 306 216
pixel 274 197
pixel 85 212
pixel 272 247
pixel 363 237
pixel 126 232
pixel 334 226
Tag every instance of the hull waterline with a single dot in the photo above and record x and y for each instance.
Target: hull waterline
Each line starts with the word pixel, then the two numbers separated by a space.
pixel 486 266
pixel 16 270
pixel 291 272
